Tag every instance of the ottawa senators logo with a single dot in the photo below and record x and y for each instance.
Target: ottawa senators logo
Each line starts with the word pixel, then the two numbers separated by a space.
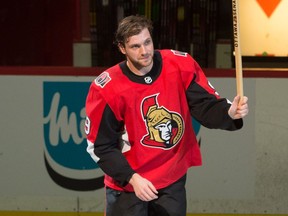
pixel 165 128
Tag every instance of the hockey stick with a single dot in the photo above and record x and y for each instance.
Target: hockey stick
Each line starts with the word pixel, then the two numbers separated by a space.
pixel 237 48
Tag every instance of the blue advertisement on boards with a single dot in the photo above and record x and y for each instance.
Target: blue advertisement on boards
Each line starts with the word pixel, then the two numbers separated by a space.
pixel 65 154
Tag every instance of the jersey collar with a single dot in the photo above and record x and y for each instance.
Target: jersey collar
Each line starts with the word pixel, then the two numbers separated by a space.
pixel 148 78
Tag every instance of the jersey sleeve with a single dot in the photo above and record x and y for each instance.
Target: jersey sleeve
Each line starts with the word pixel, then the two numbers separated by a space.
pixel 103 132
pixel 206 105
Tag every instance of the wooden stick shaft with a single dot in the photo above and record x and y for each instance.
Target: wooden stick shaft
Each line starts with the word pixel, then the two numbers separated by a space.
pixel 237 48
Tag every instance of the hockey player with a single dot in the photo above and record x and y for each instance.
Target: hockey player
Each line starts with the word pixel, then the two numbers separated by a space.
pixel 139 126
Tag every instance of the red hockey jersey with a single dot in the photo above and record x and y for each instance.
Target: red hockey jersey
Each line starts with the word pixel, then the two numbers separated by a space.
pixel 143 123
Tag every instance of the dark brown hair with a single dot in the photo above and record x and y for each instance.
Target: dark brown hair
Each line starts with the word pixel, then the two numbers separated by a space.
pixel 130 26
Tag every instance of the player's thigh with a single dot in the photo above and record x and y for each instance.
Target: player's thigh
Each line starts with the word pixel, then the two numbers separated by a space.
pixel 124 204
pixel 171 201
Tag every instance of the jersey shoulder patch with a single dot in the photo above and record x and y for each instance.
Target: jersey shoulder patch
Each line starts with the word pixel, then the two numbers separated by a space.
pixel 103 79
pixel 179 53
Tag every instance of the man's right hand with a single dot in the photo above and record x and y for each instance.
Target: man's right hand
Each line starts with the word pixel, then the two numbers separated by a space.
pixel 143 188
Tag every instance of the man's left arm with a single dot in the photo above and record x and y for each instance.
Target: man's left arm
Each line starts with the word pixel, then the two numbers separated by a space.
pixel 212 111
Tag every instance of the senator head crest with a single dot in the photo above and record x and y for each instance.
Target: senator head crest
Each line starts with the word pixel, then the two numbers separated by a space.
pixel 165 128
